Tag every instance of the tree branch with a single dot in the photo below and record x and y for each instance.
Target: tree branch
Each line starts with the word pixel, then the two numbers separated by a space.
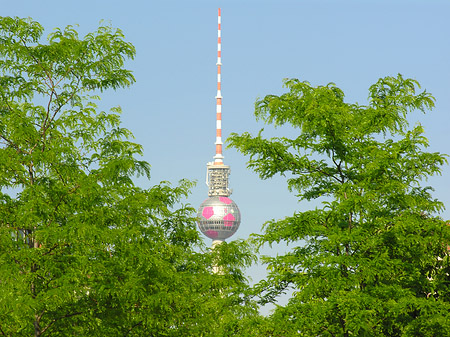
pixel 132 327
pixel 12 144
pixel 58 319
pixel 2 332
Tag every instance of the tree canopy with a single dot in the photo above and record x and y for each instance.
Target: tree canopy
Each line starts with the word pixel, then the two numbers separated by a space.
pixel 373 260
pixel 83 250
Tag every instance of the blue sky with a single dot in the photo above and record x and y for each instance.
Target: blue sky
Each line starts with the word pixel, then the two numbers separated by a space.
pixel 171 108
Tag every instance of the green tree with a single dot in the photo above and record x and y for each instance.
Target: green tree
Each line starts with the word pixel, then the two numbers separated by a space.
pixel 373 260
pixel 83 250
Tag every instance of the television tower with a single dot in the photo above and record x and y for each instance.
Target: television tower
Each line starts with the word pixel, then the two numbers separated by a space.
pixel 218 216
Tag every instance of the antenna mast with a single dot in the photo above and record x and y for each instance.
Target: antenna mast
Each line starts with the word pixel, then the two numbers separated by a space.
pixel 218 158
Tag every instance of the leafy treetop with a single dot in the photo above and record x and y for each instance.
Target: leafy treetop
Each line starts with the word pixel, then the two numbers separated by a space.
pixel 373 260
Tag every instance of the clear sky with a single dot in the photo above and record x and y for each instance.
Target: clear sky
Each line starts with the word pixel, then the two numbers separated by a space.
pixel 171 108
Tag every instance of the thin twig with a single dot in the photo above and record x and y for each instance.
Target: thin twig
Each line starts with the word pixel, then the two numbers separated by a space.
pixel 58 319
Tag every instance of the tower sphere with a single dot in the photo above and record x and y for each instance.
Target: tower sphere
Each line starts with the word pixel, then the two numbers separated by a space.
pixel 218 217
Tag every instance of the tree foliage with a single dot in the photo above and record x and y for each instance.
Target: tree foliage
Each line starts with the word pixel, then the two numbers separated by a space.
pixel 83 250
pixel 373 260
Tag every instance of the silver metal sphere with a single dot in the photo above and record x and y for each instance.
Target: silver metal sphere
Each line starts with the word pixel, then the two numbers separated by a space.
pixel 218 217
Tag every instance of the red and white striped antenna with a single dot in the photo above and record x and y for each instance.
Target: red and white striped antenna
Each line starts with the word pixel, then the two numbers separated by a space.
pixel 218 158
